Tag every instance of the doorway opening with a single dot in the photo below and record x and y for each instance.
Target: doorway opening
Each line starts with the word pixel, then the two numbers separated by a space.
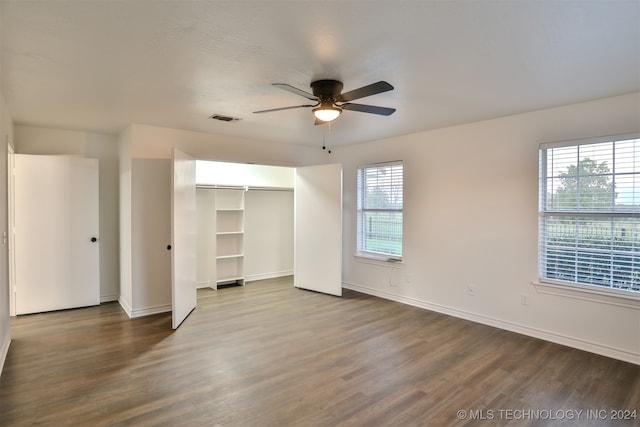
pixel 260 222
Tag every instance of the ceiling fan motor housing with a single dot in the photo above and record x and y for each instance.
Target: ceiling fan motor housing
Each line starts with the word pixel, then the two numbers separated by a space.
pixel 326 89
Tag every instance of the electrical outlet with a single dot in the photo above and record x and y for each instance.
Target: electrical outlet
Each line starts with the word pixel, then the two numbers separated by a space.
pixel 524 299
pixel 471 289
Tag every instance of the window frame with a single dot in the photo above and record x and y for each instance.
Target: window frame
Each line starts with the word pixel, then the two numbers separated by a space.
pixel 360 212
pixel 544 213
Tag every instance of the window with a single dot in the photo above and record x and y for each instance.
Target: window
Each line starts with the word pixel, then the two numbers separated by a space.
pixel 590 214
pixel 380 197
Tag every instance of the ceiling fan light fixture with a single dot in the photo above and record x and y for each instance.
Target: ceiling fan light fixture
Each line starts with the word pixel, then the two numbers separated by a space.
pixel 326 112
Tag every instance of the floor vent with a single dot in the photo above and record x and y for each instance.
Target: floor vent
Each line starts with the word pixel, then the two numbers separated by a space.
pixel 224 118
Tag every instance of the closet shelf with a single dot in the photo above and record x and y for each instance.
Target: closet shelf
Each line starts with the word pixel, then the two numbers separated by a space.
pixel 230 256
pixel 229 279
pixel 229 242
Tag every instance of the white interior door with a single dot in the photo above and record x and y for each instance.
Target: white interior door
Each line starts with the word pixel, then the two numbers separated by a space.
pixel 183 230
pixel 318 229
pixel 56 233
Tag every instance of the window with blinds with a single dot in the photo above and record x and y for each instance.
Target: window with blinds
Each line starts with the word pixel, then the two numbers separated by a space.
pixel 589 213
pixel 380 195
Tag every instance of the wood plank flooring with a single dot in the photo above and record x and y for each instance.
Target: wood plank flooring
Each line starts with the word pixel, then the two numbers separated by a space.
pixel 268 354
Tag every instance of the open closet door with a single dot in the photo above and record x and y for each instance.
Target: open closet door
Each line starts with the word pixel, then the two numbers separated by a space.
pixel 183 231
pixel 318 229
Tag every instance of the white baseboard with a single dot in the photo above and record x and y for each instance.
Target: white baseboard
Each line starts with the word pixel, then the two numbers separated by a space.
pixel 108 298
pixel 147 311
pixel 141 312
pixel 578 343
pixel 125 306
pixel 264 276
pixel 4 350
pixel 249 278
pixel 203 285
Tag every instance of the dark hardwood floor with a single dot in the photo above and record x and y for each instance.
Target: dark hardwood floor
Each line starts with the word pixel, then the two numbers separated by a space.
pixel 268 354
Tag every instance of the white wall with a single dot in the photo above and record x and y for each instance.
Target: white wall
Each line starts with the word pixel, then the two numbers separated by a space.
pixel 205 238
pixel 47 141
pixel 268 234
pixel 6 136
pixel 124 191
pixel 471 195
pixel 153 142
pixel 151 233
pixel 234 174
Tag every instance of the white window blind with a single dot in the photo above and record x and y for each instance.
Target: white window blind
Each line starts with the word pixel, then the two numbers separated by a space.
pixel 380 204
pixel 589 213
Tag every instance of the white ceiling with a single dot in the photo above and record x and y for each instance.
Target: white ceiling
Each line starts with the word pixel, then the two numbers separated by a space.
pixel 100 65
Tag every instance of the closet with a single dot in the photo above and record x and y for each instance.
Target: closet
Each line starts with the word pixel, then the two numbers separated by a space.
pixel 244 223
pixel 244 230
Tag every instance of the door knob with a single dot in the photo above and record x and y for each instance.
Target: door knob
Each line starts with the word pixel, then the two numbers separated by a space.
pixel 168 247
pixel 94 239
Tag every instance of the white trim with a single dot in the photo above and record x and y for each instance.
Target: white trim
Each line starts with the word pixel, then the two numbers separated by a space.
pixel 141 312
pixel 387 163
pixel 616 297
pixel 108 298
pixel 4 350
pixel 204 285
pixel 11 179
pixel 384 261
pixel 580 344
pixel 125 305
pixel 586 141
pixel 360 212
pixel 264 276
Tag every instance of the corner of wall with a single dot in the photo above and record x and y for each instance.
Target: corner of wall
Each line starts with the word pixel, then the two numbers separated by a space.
pixel 124 173
pixel 6 134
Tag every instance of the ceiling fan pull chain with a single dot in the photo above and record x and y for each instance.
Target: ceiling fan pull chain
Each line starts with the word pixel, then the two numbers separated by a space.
pixel 324 137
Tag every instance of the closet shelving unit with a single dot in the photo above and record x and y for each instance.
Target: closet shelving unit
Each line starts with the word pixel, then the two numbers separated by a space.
pixel 229 205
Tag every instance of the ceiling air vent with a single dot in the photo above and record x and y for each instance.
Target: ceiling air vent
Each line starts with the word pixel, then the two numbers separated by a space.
pixel 223 118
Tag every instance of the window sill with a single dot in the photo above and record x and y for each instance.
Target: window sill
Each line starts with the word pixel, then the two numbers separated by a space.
pixel 387 261
pixel 616 297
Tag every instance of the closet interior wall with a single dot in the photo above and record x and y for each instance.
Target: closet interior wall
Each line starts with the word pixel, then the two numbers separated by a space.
pixel 261 247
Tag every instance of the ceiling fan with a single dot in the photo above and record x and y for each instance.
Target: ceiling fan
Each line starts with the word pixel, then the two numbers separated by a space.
pixel 330 101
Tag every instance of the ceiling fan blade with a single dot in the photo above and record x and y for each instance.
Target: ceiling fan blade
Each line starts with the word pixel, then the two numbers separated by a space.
pixel 283 108
pixel 383 111
pixel 364 91
pixel 295 90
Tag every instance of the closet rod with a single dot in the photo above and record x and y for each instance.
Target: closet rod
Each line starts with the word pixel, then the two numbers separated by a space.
pixel 240 187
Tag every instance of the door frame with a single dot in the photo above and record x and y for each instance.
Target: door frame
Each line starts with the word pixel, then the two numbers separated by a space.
pixel 11 226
